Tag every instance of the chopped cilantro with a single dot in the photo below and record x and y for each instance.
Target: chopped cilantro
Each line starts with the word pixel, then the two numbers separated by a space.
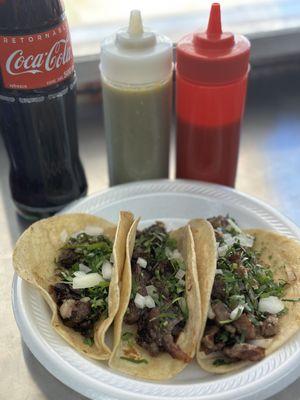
pixel 135 361
pixel 221 361
pixel 127 336
pixel 295 300
pixel 88 341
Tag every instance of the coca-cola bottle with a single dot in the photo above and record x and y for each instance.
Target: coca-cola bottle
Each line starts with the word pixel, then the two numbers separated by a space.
pixel 38 106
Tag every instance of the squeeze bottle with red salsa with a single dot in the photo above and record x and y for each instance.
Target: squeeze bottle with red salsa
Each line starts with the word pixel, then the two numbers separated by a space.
pixel 211 84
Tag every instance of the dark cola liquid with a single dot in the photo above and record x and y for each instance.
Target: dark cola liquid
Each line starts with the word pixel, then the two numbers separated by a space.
pixel 39 125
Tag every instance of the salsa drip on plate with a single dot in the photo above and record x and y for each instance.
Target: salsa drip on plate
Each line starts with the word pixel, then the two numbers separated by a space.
pixel 84 269
pixel 157 303
pixel 245 302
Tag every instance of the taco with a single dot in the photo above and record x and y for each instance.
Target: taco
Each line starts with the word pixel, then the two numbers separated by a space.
pixel 157 325
pixel 76 261
pixel 250 296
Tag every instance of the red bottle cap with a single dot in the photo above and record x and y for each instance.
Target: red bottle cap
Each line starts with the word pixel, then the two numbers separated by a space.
pixel 213 57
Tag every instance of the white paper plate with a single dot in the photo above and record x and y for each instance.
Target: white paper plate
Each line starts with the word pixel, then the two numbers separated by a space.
pixel 174 202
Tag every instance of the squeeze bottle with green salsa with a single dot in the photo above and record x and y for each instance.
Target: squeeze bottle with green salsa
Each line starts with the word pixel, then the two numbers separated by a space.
pixel 136 73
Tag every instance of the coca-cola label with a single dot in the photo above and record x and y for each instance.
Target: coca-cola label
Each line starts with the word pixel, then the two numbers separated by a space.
pixel 38 60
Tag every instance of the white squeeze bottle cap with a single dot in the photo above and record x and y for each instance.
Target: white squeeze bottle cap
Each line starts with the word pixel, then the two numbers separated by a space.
pixel 135 55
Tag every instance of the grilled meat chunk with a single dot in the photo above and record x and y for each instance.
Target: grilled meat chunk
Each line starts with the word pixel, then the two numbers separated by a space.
pixel 132 314
pixel 218 290
pixel 157 335
pixel 174 350
pixel 245 351
pixel 245 327
pixel 75 313
pixel 230 328
pixel 67 258
pixel 222 312
pixel 270 326
pixel 218 222
pixel 62 291
pixel 208 344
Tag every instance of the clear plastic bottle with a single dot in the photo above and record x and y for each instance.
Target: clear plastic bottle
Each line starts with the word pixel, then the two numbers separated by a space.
pixel 136 73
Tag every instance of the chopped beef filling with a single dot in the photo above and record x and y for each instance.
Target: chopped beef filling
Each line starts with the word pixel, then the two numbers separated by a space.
pixel 270 326
pixel 222 312
pixel 209 344
pixel 218 291
pixel 74 310
pixel 218 222
pixel 244 351
pixel 245 327
pixel 80 309
pixel 67 258
pixel 235 317
pixel 159 326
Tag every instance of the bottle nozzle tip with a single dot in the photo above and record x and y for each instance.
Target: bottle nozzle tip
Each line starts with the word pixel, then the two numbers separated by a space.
pixel 135 27
pixel 214 26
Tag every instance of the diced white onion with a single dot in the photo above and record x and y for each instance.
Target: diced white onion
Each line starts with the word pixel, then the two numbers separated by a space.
pixel 177 255
pixel 246 240
pixel 229 240
pixel 87 280
pixel 168 252
pixel 64 236
pixel 222 250
pixel 181 282
pixel 210 314
pixel 79 273
pixel 75 234
pixel 219 271
pixel 89 230
pixel 139 301
pixel 93 230
pixel 107 270
pixel 151 290
pixel 180 274
pixel 149 302
pixel 142 262
pixel 271 304
pixel 261 342
pixel 234 225
pixel 84 268
pixel 237 312
pixel 85 299
pixel 173 255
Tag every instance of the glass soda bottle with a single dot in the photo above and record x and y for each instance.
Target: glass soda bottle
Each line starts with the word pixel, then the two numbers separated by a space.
pixel 38 106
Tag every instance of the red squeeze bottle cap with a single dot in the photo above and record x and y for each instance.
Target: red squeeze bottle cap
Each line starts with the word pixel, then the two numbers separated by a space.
pixel 213 57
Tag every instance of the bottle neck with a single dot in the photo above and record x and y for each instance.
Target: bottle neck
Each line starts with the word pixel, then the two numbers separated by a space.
pixel 29 16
